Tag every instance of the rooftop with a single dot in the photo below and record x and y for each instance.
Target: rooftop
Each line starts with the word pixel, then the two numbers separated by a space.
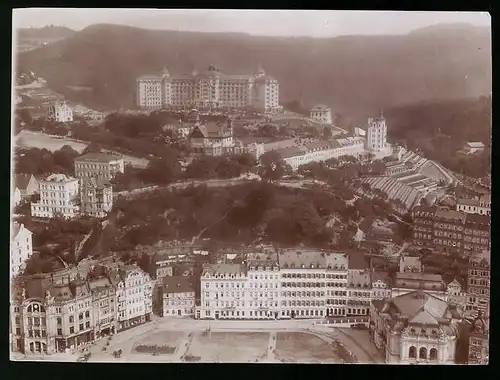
pixel 451 215
pixel 58 177
pixel 98 157
pixel 359 279
pixel 297 258
pixel 421 307
pixel 320 107
pixel 213 269
pixel 178 284
pixel 22 180
pixel 288 152
pixel 412 276
pixel 475 144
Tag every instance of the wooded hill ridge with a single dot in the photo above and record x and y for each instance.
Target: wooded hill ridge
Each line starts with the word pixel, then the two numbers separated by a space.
pixel 99 65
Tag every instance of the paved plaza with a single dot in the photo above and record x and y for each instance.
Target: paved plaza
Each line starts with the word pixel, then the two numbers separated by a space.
pixel 299 341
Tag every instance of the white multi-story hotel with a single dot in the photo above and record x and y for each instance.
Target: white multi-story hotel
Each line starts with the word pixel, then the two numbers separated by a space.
pixel 209 89
pixel 134 296
pixel 481 205
pixel 321 114
pixel 21 248
pixel 60 111
pixel 59 195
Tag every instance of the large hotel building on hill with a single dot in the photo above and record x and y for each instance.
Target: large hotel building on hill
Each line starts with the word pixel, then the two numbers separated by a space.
pixel 210 88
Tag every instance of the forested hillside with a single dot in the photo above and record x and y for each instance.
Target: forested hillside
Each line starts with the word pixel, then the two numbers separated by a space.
pixel 99 65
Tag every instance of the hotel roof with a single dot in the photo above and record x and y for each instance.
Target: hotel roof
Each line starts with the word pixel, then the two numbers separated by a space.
pixel 320 107
pixel 224 269
pixel 98 157
pixel 301 258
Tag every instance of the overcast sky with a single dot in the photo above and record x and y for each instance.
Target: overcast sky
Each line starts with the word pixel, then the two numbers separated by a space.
pixel 257 22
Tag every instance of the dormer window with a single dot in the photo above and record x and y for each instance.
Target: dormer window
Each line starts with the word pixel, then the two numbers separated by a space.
pixel 312 266
pixel 303 266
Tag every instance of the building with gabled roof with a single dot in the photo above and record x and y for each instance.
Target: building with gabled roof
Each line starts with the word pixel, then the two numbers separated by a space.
pixel 21 248
pixel 178 296
pixel 27 184
pixel 415 328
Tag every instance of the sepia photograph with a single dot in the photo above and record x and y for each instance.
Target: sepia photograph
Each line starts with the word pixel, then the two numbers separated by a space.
pixel 250 186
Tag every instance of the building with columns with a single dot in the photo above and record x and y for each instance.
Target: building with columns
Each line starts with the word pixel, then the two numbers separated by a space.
pixel 415 328
pixel 209 89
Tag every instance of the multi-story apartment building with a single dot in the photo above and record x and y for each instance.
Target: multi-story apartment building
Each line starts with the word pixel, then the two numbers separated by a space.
pixel 376 134
pixel 304 283
pixel 337 296
pixel 210 88
pixel 100 165
pixel 450 231
pixel 476 234
pixel 480 205
pixel 178 296
pixel 21 248
pixel 75 306
pixel 263 285
pixel 478 283
pixel 479 340
pixel 359 289
pixel 96 196
pixel 415 328
pixel 60 111
pixel 381 285
pixel 224 292
pixel 50 317
pixel 410 264
pixel 321 114
pixel 59 195
pixel 456 294
pixel 134 289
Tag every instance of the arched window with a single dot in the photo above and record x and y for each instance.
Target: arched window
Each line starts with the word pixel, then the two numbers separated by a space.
pixel 30 309
pixel 422 354
pixel 413 352
pixel 433 354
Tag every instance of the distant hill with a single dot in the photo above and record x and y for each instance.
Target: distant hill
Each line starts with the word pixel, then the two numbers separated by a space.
pixel 49 32
pixel 348 73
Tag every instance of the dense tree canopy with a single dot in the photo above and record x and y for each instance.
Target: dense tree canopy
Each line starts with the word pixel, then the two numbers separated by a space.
pixel 42 161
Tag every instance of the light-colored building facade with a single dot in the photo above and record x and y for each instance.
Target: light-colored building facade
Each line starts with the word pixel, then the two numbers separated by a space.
pixel 381 285
pixel 59 195
pixel 60 111
pixel 134 296
pixel 16 196
pixel 473 147
pixel 100 165
pixel 410 264
pixel 415 328
pixel 481 205
pixel 478 284
pixel 322 150
pixel 376 134
pixel 456 294
pixel 178 296
pixel 21 248
pixel 210 88
pixel 96 197
pixel 322 114
pixel 359 289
